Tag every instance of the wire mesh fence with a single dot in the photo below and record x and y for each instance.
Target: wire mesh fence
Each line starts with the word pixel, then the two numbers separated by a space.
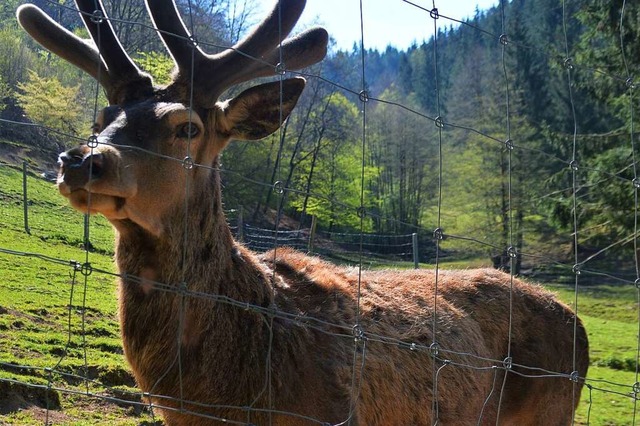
pixel 66 366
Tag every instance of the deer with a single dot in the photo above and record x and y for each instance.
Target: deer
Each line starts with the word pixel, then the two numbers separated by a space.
pixel 215 333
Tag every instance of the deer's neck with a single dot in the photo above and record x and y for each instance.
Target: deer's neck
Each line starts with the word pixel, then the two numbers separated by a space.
pixel 175 290
pixel 194 250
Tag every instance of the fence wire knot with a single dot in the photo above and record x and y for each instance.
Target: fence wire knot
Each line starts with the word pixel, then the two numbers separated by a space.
pixel 86 269
pixel 509 144
pixel 278 187
pixel 439 122
pixel 576 269
pixel 636 183
pixel 573 165
pixel 503 39
pixel 358 334
pixel 363 96
pixel 92 141
pixel 434 13
pixel 508 363
pixel 193 41
pixel 97 17
pixel 434 348
pixel 630 83
pixel 281 69
pixel 187 163
pixel 568 64
pixel 512 252
pixel 574 376
pixel 636 388
pixel 438 234
pixel 637 283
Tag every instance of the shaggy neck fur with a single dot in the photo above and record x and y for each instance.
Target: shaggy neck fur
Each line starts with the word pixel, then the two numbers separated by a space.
pixel 167 333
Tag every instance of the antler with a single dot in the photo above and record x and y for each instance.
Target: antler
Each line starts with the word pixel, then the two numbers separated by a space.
pixel 110 65
pixel 255 56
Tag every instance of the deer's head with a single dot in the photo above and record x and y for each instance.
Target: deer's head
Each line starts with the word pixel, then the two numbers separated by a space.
pixel 151 142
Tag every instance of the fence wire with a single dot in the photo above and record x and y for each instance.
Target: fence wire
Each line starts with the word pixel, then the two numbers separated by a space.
pixel 82 273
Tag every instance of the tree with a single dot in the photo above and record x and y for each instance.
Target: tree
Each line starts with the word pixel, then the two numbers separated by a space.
pixel 403 150
pixel 15 56
pixel 5 92
pixel 159 65
pixel 330 167
pixel 46 101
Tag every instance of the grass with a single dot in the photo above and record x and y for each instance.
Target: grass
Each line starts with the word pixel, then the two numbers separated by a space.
pixel 59 326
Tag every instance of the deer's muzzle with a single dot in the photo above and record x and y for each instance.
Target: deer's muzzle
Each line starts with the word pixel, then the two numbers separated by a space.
pixel 79 166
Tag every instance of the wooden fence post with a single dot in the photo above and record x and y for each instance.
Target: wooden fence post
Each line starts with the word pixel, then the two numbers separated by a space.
pixel 312 233
pixel 416 260
pixel 25 199
pixel 240 225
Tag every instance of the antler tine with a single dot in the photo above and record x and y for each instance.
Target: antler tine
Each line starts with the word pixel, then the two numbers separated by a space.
pixel 269 33
pixel 179 42
pixel 112 67
pixel 174 33
pixel 297 52
pixel 121 68
pixel 62 42
pixel 254 56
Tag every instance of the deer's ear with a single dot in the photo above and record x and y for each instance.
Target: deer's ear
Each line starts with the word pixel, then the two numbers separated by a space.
pixel 256 112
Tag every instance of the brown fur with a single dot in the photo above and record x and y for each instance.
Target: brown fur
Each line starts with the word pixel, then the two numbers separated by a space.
pixel 215 332
pixel 225 348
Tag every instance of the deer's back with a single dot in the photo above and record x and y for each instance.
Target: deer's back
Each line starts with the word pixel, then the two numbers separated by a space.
pixel 482 317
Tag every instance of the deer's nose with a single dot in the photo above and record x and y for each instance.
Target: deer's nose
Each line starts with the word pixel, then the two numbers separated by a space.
pixel 70 159
pixel 77 169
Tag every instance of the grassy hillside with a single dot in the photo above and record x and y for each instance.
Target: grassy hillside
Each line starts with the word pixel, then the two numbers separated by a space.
pixel 58 322
pixel 59 330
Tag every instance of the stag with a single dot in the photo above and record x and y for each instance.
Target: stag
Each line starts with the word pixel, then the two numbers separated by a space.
pixel 216 333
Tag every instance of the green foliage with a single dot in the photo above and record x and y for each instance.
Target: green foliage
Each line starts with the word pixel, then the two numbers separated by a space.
pixel 8 12
pixel 5 92
pixel 609 45
pixel 159 65
pixel 610 42
pixel 15 55
pixel 46 101
pixel 331 169
pixel 405 157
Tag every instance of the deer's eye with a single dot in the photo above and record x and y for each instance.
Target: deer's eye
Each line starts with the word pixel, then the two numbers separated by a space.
pixel 187 130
